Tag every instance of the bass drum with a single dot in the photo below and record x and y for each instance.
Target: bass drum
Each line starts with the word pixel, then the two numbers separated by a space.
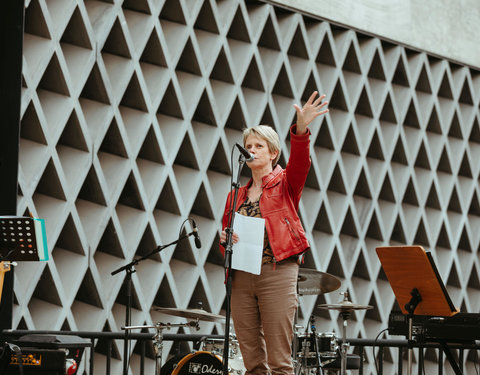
pixel 195 363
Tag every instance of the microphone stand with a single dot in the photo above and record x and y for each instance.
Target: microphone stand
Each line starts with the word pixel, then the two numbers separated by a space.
pixel 228 264
pixel 129 269
pixel 315 346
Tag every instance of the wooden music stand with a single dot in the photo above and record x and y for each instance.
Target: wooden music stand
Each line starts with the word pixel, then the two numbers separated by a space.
pixel 417 286
pixel 410 267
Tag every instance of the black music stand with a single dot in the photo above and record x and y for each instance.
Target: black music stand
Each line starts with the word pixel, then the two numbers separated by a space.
pixel 418 288
pixel 22 239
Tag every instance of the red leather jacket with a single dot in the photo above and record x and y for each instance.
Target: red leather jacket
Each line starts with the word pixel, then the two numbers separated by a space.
pixel 282 190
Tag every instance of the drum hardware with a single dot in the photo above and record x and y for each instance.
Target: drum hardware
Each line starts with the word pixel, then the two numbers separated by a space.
pixel 217 347
pixel 190 313
pixel 212 346
pixel 333 364
pixel 316 351
pixel 305 346
pixel 345 307
pixel 315 345
pixel 158 338
pixel 207 360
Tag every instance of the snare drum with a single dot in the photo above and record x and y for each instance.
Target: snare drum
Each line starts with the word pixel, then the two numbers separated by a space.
pixel 327 344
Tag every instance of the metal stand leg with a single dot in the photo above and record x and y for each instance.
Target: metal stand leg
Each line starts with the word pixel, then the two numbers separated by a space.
pixel 345 307
pixel 158 338
pixel 410 346
pixel 158 349
pixel 345 345
pixel 315 345
pixel 410 307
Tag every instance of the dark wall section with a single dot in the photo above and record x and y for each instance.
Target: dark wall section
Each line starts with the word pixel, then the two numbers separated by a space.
pixel 11 40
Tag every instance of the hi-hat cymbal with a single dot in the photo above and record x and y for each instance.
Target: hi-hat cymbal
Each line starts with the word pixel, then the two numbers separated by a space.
pixel 190 313
pixel 312 282
pixel 344 306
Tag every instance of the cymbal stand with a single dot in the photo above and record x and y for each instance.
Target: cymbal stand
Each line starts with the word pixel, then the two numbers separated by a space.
pixel 345 345
pixel 345 307
pixel 315 346
pixel 158 338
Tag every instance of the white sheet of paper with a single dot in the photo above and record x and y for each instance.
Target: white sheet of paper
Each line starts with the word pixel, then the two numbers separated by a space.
pixel 247 252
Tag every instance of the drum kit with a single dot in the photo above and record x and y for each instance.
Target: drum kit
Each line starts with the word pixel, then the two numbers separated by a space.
pixel 314 353
pixel 320 353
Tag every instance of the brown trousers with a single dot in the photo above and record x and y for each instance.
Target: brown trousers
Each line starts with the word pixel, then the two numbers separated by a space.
pixel 263 312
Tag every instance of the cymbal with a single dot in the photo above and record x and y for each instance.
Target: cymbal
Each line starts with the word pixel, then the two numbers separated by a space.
pixel 190 313
pixel 312 282
pixel 344 306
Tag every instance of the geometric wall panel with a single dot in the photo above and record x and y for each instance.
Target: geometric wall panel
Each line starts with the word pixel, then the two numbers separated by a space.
pixel 130 110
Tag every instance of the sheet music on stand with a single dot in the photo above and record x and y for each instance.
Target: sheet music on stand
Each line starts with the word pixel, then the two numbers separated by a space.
pixel 23 239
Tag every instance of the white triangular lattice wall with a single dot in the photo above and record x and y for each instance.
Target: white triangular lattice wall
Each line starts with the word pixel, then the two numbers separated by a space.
pixel 130 110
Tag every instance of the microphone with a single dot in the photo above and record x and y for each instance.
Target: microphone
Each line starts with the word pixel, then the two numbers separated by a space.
pixel 248 156
pixel 198 244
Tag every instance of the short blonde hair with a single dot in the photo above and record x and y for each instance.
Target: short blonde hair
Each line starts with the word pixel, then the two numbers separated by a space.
pixel 269 135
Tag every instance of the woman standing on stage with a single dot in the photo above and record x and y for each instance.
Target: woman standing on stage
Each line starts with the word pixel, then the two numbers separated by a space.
pixel 263 306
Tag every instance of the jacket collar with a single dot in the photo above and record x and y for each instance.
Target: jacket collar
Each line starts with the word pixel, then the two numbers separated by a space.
pixel 269 179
